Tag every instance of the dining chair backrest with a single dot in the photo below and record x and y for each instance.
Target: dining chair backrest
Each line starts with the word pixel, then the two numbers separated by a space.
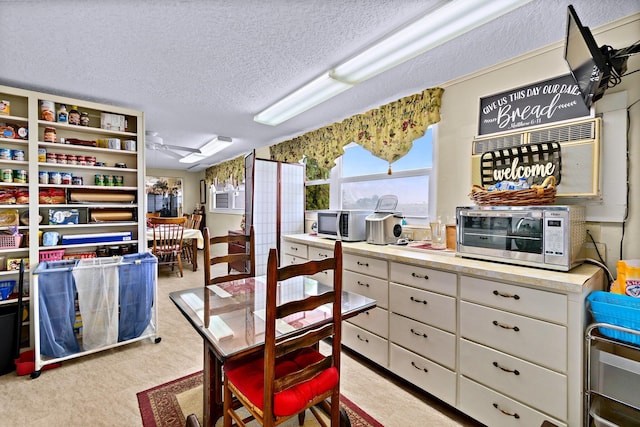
pixel 194 221
pixel 244 258
pixel 153 214
pixel 167 240
pixel 316 376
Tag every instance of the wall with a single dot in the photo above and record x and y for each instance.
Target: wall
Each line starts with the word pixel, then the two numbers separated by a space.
pixel 459 125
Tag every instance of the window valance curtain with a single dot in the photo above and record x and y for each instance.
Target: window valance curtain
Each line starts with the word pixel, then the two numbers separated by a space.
pixel 387 132
pixel 231 169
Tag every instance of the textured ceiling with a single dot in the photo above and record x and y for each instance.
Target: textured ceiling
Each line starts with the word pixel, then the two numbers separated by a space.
pixel 204 68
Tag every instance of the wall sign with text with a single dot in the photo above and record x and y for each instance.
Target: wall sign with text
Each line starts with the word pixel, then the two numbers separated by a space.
pixel 537 104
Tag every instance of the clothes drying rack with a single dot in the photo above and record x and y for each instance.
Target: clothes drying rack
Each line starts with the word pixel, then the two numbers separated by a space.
pixel 88 305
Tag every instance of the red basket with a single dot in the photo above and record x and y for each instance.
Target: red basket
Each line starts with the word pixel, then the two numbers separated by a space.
pixel 55 255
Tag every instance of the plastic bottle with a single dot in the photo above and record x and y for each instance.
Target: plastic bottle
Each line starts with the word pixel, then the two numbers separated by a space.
pixel 523 184
pixel 62 114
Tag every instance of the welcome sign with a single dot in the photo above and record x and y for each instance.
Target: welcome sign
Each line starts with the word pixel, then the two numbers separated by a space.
pixel 537 104
pixel 533 162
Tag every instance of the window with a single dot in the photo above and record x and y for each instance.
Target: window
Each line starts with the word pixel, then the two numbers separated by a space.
pixel 359 179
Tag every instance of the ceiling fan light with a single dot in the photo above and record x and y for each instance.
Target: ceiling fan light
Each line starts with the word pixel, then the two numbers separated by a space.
pixel 212 147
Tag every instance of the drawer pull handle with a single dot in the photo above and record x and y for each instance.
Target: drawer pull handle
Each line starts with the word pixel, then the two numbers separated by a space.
pixel 513 371
pixel 514 415
pixel 362 339
pixel 293 248
pixel 514 296
pixel 363 284
pixel 418 300
pixel 418 276
pixel 322 255
pixel 503 326
pixel 365 264
pixel 420 334
pixel 419 368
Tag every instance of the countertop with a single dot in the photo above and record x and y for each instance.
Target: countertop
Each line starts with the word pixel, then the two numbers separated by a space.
pixel 573 281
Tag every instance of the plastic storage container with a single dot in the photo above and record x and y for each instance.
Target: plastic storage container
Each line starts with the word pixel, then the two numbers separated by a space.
pixel 616 309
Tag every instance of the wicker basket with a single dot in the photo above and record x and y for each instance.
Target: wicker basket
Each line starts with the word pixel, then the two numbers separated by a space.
pixel 543 194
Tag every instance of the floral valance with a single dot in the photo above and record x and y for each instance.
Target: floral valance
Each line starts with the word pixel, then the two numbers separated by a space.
pixel 387 132
pixel 231 169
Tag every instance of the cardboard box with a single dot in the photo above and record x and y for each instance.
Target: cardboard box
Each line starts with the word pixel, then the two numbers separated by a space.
pixel 63 216
pixel 73 239
pixel 111 121
pixel 14 263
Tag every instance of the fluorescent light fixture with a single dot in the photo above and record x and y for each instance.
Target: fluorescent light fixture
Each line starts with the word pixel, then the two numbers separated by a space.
pixel 209 149
pixel 443 24
pixel 310 95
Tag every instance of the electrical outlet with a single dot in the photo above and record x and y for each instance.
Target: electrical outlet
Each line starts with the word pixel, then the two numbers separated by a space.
pixel 594 230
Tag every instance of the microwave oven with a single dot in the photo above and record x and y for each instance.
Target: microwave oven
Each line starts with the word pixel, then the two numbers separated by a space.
pixel 548 237
pixel 345 225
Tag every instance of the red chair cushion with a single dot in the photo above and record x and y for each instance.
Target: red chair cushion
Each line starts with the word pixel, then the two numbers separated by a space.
pixel 248 377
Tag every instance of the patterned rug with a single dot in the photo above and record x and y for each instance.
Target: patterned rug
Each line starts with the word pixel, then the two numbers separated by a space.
pixel 168 405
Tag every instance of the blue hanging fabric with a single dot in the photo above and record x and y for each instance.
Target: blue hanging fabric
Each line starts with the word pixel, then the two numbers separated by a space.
pixel 56 297
pixel 136 281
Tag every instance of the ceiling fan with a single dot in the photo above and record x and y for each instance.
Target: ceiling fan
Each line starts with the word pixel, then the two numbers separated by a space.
pixel 154 142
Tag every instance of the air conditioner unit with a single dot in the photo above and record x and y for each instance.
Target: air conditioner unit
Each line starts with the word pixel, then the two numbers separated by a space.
pixel 580 150
pixel 232 199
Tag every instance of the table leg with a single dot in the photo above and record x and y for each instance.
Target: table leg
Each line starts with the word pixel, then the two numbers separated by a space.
pixel 194 254
pixel 212 387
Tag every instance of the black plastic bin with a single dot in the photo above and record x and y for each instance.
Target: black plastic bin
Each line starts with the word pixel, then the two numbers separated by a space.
pixel 8 317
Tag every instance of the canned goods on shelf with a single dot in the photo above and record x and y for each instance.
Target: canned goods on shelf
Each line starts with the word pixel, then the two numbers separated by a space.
pixel 99 179
pixel 42 155
pixel 108 180
pixel 7 175
pixel 17 154
pixel 43 177
pixel 91 160
pixel 118 180
pixel 61 158
pixel 72 159
pixel 5 154
pixel 51 158
pixel 66 178
pixel 55 178
pixel 48 111
pixel 76 180
pixel 20 176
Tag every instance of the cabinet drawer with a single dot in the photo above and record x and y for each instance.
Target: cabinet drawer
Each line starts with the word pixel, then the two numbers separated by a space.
pixel 314 252
pixel 494 409
pixel 288 259
pixel 540 388
pixel 423 278
pixel 325 277
pixel 530 302
pixel 296 249
pixel 534 340
pixel 367 344
pixel 427 375
pixel 425 340
pixel 375 320
pixel 426 307
pixel 365 265
pixel 372 287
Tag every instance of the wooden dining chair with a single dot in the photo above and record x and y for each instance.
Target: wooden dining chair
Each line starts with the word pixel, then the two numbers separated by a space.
pixel 293 375
pixel 238 265
pixel 167 240
pixel 193 221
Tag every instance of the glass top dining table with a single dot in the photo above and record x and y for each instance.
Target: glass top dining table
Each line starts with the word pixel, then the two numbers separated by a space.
pixel 237 311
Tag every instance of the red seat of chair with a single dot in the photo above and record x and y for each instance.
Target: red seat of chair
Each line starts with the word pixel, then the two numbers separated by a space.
pixel 248 378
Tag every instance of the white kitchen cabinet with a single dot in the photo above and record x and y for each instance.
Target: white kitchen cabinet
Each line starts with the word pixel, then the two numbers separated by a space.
pixel 460 329
pixel 369 277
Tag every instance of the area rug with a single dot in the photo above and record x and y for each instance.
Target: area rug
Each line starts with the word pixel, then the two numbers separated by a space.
pixel 168 405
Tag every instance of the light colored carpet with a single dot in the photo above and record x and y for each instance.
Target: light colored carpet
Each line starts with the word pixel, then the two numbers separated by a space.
pixel 100 389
